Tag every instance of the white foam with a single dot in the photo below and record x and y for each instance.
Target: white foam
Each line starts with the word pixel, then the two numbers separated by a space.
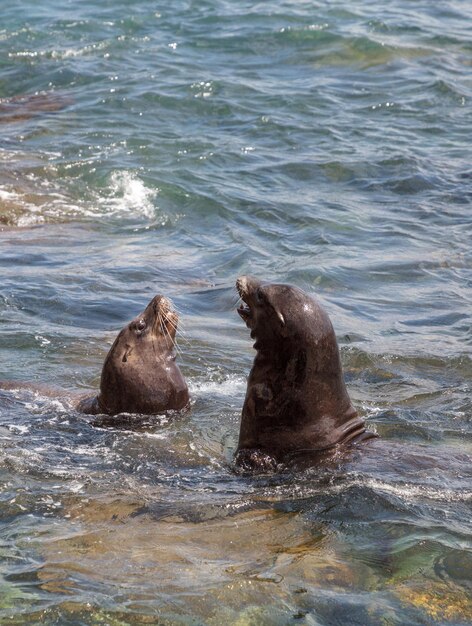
pixel 229 386
pixel 128 194
pixel 34 199
pixel 408 491
pixel 44 404
pixel 372 410
pixel 65 53
pixel 153 435
pixel 42 340
pixel 7 195
pixel 21 429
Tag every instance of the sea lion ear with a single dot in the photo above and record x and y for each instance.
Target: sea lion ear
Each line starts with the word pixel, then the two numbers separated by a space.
pixel 128 351
pixel 280 316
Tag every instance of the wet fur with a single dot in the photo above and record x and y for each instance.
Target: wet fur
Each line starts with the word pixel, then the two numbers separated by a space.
pixel 139 374
pixel 296 398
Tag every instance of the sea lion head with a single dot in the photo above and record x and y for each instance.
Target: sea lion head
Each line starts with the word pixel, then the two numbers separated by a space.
pixel 296 397
pixel 284 315
pixel 140 374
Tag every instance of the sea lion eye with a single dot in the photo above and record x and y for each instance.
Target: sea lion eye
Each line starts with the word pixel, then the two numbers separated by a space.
pixel 260 296
pixel 141 325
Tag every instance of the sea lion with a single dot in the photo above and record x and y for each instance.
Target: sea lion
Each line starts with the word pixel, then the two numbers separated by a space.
pixel 23 107
pixel 140 374
pixel 296 400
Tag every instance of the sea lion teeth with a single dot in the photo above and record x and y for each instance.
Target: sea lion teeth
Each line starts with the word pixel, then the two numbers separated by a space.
pixel 245 312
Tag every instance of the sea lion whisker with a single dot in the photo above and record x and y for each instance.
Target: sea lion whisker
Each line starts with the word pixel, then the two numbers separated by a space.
pixel 179 325
pixel 167 334
pixel 182 338
pixel 167 321
pixel 173 323
pixel 164 320
pixel 166 317
pixel 178 331
pixel 177 334
pixel 178 349
pixel 181 335
pixel 172 308
pixel 163 327
pixel 238 300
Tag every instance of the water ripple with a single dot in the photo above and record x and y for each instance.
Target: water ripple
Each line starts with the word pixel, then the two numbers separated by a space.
pixel 168 149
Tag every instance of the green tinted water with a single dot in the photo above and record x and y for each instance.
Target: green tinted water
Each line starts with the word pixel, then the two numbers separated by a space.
pixel 171 149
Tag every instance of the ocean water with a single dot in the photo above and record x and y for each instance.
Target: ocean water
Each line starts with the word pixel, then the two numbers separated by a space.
pixel 150 147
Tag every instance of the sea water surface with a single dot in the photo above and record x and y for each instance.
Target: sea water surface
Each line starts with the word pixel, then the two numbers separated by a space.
pixel 168 147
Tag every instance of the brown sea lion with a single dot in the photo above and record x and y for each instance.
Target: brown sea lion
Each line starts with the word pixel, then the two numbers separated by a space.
pixel 296 399
pixel 25 106
pixel 140 374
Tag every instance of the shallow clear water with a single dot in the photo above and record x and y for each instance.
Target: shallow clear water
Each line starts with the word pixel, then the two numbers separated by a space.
pixel 170 149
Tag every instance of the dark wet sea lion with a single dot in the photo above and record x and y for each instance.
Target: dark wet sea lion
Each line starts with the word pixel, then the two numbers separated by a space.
pixel 296 399
pixel 23 107
pixel 140 374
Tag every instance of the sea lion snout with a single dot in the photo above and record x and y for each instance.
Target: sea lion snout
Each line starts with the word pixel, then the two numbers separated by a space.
pixel 160 304
pixel 246 286
pixel 258 301
pixel 241 284
pixel 161 316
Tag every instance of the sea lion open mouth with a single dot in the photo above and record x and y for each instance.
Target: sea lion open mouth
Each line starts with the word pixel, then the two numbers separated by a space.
pixel 248 289
pixel 244 311
pixel 258 306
